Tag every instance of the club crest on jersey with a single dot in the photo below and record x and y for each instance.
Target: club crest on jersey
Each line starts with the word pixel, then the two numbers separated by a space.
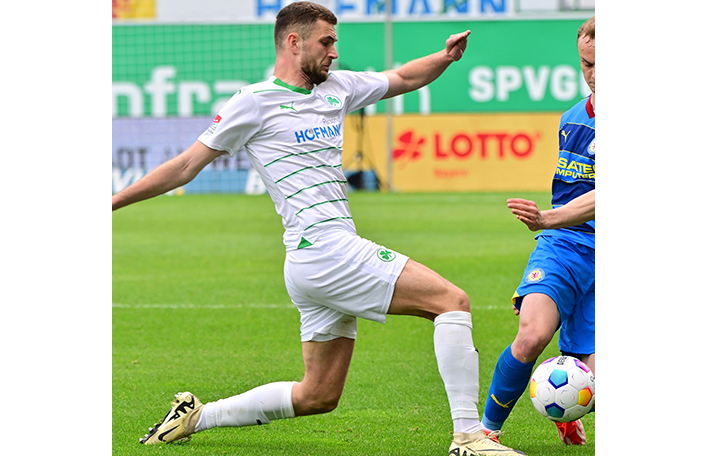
pixel 333 100
pixel 536 275
pixel 591 148
pixel 214 124
pixel 385 255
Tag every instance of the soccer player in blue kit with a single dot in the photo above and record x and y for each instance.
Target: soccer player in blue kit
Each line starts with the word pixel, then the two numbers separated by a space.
pixel 558 286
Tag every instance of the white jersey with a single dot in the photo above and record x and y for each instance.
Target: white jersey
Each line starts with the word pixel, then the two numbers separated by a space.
pixel 294 139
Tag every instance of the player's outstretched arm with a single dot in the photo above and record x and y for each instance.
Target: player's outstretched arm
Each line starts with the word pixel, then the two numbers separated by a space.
pixel 577 211
pixel 168 176
pixel 420 72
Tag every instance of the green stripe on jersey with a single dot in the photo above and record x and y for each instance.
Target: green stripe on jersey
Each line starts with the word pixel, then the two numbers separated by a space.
pixel 301 153
pixel 306 168
pixel 317 185
pixel 323 202
pixel 328 220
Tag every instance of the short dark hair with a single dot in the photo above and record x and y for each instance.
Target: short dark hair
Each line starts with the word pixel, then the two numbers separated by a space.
pixel 300 17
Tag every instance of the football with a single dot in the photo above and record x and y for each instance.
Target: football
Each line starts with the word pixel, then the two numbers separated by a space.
pixel 563 389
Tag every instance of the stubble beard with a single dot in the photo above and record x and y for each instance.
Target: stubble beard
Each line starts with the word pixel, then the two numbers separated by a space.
pixel 314 73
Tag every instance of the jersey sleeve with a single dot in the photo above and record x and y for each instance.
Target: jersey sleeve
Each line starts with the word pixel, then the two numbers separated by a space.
pixel 234 125
pixel 364 88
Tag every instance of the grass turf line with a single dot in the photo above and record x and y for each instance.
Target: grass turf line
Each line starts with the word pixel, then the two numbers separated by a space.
pixel 200 305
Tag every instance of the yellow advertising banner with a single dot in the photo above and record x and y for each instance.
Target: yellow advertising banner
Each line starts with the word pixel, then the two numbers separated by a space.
pixel 456 152
pixel 133 9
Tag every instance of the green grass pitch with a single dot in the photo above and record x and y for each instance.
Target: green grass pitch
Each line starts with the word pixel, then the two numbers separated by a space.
pixel 199 304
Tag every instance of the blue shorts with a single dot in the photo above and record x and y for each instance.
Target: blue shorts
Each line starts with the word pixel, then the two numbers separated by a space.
pixel 565 272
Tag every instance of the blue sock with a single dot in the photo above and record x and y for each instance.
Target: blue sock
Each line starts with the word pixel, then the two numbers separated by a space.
pixel 509 382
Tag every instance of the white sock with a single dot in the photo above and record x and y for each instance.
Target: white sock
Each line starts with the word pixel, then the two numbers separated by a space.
pixel 466 425
pixel 260 405
pixel 458 363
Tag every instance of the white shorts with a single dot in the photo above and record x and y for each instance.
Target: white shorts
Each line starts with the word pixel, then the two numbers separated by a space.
pixel 337 279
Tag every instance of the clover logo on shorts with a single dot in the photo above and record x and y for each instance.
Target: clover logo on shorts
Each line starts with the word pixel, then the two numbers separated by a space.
pixel 385 255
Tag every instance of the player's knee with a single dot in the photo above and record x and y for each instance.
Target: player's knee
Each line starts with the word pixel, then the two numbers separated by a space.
pixel 324 404
pixel 530 343
pixel 454 300
pixel 317 402
pixel 327 405
pixel 460 301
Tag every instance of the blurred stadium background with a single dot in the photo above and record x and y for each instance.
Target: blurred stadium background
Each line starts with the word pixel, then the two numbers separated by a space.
pixel 488 124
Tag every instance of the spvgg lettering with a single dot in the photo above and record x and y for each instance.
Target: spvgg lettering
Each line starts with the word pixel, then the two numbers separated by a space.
pixel 310 134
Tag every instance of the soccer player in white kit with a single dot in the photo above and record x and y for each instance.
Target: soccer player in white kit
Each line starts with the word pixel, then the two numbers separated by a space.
pixel 291 127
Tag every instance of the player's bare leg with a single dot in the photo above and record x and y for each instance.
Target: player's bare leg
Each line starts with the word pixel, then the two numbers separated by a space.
pixel 326 367
pixel 538 321
pixel 424 293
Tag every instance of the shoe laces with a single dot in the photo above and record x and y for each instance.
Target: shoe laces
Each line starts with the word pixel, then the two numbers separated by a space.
pixel 494 437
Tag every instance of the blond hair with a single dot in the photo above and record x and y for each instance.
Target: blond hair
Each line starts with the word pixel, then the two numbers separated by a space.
pixel 587 29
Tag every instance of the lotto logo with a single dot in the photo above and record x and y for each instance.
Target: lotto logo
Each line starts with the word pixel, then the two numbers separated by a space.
pixel 413 145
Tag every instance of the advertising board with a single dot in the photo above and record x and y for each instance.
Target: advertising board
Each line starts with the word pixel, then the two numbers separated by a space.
pixel 488 123
pixel 458 152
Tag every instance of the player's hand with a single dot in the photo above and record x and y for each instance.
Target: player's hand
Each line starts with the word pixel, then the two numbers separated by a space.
pixel 516 311
pixel 527 212
pixel 455 45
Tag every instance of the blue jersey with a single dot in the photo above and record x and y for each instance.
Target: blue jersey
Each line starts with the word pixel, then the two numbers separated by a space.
pixel 575 171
